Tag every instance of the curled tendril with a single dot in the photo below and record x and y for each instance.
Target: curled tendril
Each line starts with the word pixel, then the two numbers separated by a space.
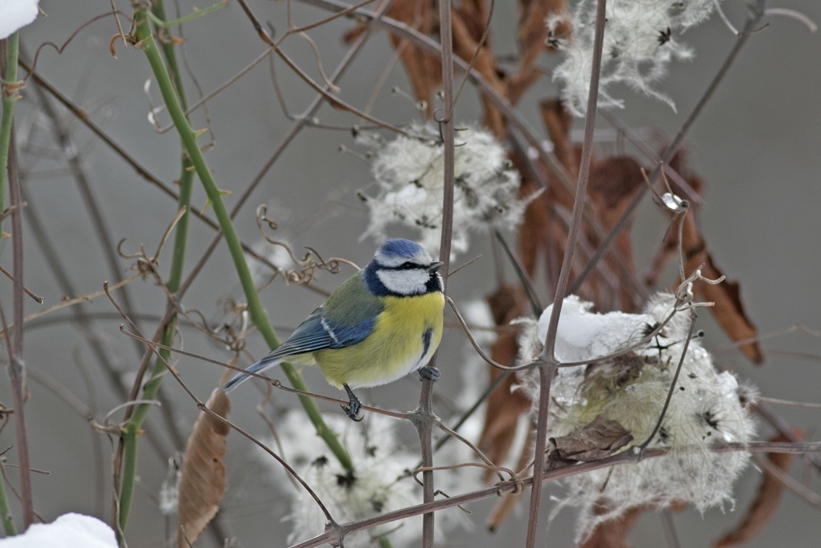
pixel 684 292
pixel 147 265
pixel 307 265
pixel 236 330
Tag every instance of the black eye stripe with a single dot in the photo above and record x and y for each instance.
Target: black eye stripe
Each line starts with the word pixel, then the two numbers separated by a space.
pixel 404 266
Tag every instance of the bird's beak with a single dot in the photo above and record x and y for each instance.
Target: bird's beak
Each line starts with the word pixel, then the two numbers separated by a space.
pixel 435 266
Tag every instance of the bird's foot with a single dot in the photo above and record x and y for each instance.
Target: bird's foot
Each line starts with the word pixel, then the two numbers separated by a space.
pixel 428 372
pixel 354 410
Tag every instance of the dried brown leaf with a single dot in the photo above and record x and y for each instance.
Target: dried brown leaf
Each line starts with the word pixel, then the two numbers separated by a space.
pixel 729 309
pixel 503 406
pixel 532 234
pixel 501 510
pixel 766 501
pixel 613 183
pixel 599 439
pixel 424 70
pixel 532 38
pixel 613 533
pixel 465 46
pixel 558 122
pixel 202 482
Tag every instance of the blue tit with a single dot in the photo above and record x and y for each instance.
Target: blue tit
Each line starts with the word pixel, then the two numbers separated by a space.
pixel 381 324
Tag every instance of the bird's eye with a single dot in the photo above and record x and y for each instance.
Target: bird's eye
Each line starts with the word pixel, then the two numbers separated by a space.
pixel 407 266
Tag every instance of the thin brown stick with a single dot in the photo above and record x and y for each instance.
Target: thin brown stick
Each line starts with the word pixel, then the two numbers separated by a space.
pixel 37 299
pixel 427 44
pixel 620 459
pixel 141 170
pixel 755 13
pixel 272 382
pixel 669 526
pixel 424 418
pixel 17 372
pixel 549 363
pixel 202 407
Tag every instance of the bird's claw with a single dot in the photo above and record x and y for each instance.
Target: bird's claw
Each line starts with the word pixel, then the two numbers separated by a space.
pixel 354 410
pixel 428 372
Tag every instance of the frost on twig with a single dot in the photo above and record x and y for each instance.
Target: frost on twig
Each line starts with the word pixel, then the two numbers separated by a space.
pixel 640 40
pixel 409 173
pixel 631 389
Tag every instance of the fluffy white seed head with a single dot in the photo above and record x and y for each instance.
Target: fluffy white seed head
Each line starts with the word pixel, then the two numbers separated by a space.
pixel 705 408
pixel 640 40
pixel 410 175
pixel 379 483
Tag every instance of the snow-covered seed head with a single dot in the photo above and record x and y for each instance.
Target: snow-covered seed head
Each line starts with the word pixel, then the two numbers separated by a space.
pixel 706 408
pixel 410 175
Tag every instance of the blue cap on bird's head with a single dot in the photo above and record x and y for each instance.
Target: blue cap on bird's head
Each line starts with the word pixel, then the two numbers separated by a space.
pixel 402 268
pixel 397 251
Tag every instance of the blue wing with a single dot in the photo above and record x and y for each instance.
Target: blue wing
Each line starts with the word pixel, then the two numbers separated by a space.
pixel 317 332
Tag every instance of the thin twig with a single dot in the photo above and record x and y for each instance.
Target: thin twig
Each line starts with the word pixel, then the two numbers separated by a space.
pixel 669 526
pixel 202 407
pixel 17 372
pixel 620 459
pixel 789 403
pixel 549 363
pixel 425 43
pixel 37 298
pixel 141 170
pixel 756 12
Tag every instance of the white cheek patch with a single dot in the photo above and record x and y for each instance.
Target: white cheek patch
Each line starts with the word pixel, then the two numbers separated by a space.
pixel 404 282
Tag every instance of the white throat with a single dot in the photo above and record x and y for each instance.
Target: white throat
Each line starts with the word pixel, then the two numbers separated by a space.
pixel 404 282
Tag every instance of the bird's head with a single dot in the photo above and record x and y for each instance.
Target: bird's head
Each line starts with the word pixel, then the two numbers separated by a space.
pixel 402 268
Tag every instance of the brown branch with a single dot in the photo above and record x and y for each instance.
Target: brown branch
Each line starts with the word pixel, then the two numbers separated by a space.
pixel 549 363
pixel 141 170
pixel 425 43
pixel 502 488
pixel 755 13
pixel 17 372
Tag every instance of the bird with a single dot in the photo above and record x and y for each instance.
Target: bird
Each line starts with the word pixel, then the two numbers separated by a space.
pixel 381 324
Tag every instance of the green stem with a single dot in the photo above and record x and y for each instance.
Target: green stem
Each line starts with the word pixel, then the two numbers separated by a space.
pixel 258 315
pixel 160 21
pixel 186 184
pixel 5 511
pixel 9 97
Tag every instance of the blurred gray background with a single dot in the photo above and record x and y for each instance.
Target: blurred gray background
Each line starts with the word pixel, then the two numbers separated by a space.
pixel 757 145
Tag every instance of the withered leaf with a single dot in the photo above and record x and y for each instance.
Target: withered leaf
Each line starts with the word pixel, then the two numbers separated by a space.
pixel 613 183
pixel 729 310
pixel 766 500
pixel 202 482
pixel 558 121
pixel 465 46
pixel 613 533
pixel 601 438
pixel 501 510
pixel 532 37
pixel 503 406
pixel 424 70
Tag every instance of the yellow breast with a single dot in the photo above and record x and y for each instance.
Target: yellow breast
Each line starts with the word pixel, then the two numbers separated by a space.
pixel 395 348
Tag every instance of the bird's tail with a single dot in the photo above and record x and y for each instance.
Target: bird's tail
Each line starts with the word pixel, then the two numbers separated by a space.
pixel 241 377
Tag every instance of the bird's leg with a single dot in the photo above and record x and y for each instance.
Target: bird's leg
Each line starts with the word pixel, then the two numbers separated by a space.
pixel 428 372
pixel 354 412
